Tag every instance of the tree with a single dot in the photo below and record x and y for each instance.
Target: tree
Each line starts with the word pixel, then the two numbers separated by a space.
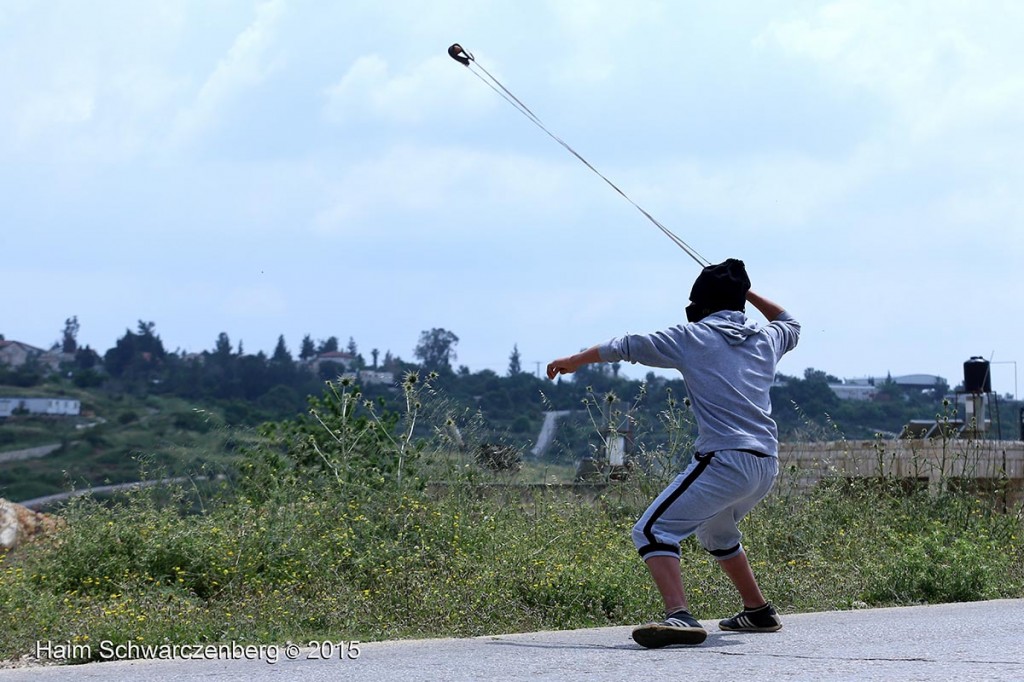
pixel 252 377
pixel 70 337
pixel 328 346
pixel 222 349
pixel 596 375
pixel 436 349
pixel 941 388
pixel 375 353
pixel 220 373
pixel 358 362
pixel 515 366
pixel 281 368
pixel 818 376
pixel 799 401
pixel 307 350
pixel 136 355
pixel 86 358
pixel 281 356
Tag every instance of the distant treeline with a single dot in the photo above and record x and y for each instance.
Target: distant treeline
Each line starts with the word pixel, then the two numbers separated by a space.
pixel 253 388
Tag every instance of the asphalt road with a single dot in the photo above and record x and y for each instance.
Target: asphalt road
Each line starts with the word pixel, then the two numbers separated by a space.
pixel 973 641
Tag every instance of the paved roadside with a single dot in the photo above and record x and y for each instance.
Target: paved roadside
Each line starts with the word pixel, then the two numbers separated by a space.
pixel 973 641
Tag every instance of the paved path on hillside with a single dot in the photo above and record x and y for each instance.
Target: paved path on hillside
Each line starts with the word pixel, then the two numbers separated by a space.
pixel 547 431
pixel 37 503
pixel 28 453
pixel 974 641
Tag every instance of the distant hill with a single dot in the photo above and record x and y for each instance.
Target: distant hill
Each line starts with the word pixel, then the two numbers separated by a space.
pixel 157 423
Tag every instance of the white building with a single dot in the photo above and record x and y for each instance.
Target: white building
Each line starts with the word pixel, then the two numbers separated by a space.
pixel 866 388
pixel 65 407
pixel 854 391
pixel 371 376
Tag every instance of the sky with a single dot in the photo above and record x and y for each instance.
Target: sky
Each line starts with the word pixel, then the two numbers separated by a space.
pixel 291 167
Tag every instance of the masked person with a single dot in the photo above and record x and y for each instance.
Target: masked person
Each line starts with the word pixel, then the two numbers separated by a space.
pixel 728 364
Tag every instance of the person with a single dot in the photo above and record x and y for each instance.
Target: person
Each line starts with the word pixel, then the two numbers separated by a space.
pixel 728 364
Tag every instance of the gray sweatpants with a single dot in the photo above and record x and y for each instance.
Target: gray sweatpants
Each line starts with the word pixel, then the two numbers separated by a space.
pixel 709 498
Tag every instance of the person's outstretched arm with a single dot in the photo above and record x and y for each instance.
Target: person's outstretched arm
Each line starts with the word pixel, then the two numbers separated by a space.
pixel 570 364
pixel 767 308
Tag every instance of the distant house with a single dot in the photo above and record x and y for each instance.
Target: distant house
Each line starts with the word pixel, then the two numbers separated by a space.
pixel 64 407
pixel 370 376
pixel 344 362
pixel 53 358
pixel 867 387
pixel 917 381
pixel 16 353
pixel 854 391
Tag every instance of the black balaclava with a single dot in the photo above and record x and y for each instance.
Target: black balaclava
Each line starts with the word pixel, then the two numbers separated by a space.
pixel 718 287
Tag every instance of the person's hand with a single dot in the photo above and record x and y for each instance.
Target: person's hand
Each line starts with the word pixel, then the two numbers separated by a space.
pixel 562 366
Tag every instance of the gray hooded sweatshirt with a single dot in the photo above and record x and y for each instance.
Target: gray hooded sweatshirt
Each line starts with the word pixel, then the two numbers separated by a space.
pixel 728 363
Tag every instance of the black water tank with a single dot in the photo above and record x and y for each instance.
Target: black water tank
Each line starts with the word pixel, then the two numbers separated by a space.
pixel 977 378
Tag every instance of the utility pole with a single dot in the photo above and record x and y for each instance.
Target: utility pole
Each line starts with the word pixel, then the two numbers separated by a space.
pixel 1014 363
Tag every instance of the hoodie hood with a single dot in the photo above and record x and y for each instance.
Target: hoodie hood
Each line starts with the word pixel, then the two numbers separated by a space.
pixel 718 287
pixel 732 324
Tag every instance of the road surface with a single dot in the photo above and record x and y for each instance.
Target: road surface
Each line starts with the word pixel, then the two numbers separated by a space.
pixel 973 641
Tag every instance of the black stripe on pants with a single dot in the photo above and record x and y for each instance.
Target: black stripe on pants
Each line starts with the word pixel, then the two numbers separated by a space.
pixel 652 542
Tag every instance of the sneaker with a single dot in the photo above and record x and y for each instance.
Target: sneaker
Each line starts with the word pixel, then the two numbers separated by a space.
pixel 762 619
pixel 678 628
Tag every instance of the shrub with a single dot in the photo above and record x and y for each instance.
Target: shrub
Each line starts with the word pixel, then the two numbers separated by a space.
pixel 192 420
pixel 498 457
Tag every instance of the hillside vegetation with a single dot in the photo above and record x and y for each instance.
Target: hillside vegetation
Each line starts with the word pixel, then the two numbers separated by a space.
pixel 124 425
pixel 357 523
pixel 145 407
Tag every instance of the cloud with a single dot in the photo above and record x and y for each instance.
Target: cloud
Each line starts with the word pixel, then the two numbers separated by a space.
pixel 456 186
pixel 69 102
pixel 597 38
pixel 50 83
pixel 946 79
pixel 433 89
pixel 247 64
pixel 787 192
pixel 940 65
pixel 88 88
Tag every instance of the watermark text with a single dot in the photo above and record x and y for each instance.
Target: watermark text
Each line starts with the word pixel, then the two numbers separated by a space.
pixel 229 651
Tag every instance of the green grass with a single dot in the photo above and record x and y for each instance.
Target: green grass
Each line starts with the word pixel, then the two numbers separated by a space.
pixel 331 531
pixel 155 432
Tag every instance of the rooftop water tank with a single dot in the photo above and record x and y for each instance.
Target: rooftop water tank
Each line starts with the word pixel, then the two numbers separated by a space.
pixel 977 378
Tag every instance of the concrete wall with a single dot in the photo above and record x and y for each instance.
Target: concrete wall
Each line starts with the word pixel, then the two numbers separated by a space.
pixel 983 465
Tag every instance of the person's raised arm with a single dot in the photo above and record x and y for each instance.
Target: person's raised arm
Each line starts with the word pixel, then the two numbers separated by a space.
pixel 767 308
pixel 570 364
